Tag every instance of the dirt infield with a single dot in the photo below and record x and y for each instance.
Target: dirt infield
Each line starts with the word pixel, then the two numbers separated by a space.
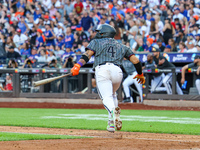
pixel 101 140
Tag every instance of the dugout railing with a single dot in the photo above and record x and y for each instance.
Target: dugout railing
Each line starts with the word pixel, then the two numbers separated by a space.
pixel 82 81
pixel 41 73
pixel 174 96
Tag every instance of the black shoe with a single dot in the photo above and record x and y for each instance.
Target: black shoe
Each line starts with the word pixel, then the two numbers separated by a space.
pixel 127 100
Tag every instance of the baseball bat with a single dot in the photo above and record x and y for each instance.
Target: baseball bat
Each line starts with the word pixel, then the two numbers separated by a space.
pixel 45 81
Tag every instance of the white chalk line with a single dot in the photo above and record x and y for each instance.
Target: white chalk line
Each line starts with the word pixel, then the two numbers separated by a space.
pixel 181 120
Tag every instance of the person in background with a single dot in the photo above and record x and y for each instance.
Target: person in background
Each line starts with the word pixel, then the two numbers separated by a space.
pixel 78 7
pixel 196 63
pixel 160 63
pixel 74 24
pixel 168 31
pixel 33 35
pixel 181 37
pixel 182 48
pixel 33 57
pixel 81 35
pixel 9 84
pixel 12 64
pixel 49 35
pixel 68 58
pixel 25 50
pixel 51 55
pixel 12 54
pixel 161 47
pixel 76 41
pixel 156 78
pixel 58 52
pixel 118 31
pixel 19 38
pixel 43 57
pixel 87 23
pixel 84 45
pixel 53 63
pixel 28 64
pixel 143 29
pixel 40 39
pixel 191 47
pixel 68 7
pixel 171 42
pixel 69 38
pixel 167 49
pixel 9 42
pixel 60 41
pixel 22 25
pixel 132 32
pixel 148 46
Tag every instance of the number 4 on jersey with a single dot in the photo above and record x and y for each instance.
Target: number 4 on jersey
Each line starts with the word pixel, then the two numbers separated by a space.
pixel 111 51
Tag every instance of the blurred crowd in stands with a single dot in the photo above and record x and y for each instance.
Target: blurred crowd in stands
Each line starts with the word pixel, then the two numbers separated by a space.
pixel 52 30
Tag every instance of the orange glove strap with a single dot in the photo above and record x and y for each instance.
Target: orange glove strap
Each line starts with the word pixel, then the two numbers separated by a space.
pixel 77 65
pixel 140 75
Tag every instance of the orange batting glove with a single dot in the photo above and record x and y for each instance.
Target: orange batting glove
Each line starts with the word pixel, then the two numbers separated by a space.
pixel 75 69
pixel 140 78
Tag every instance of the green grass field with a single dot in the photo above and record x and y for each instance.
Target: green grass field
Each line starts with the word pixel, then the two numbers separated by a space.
pixel 154 121
pixel 6 136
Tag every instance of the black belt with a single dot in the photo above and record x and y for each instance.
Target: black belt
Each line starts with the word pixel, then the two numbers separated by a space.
pixel 108 64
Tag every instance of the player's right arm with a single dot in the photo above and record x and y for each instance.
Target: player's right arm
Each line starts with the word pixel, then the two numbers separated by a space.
pixel 83 60
pixel 90 50
pixel 184 68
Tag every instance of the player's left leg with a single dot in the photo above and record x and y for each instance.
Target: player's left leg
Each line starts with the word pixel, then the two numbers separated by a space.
pixel 197 82
pixel 116 83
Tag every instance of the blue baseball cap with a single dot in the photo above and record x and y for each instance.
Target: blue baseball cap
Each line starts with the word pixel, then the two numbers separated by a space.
pixel 168 46
pixel 197 35
pixel 61 36
pixel 177 9
pixel 152 19
pixel 78 50
pixel 68 46
pixel 48 44
pixel 190 34
pixel 136 13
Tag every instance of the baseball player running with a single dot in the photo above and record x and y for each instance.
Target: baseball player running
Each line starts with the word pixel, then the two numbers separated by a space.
pixel 108 55
pixel 196 63
pixel 131 71
pixel 162 62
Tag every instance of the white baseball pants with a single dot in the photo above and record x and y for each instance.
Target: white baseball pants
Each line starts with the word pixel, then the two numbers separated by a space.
pixel 156 83
pixel 108 79
pixel 129 81
pixel 167 81
pixel 197 82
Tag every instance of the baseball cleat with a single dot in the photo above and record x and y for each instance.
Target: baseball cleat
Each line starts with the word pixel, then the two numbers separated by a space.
pixel 116 118
pixel 111 127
